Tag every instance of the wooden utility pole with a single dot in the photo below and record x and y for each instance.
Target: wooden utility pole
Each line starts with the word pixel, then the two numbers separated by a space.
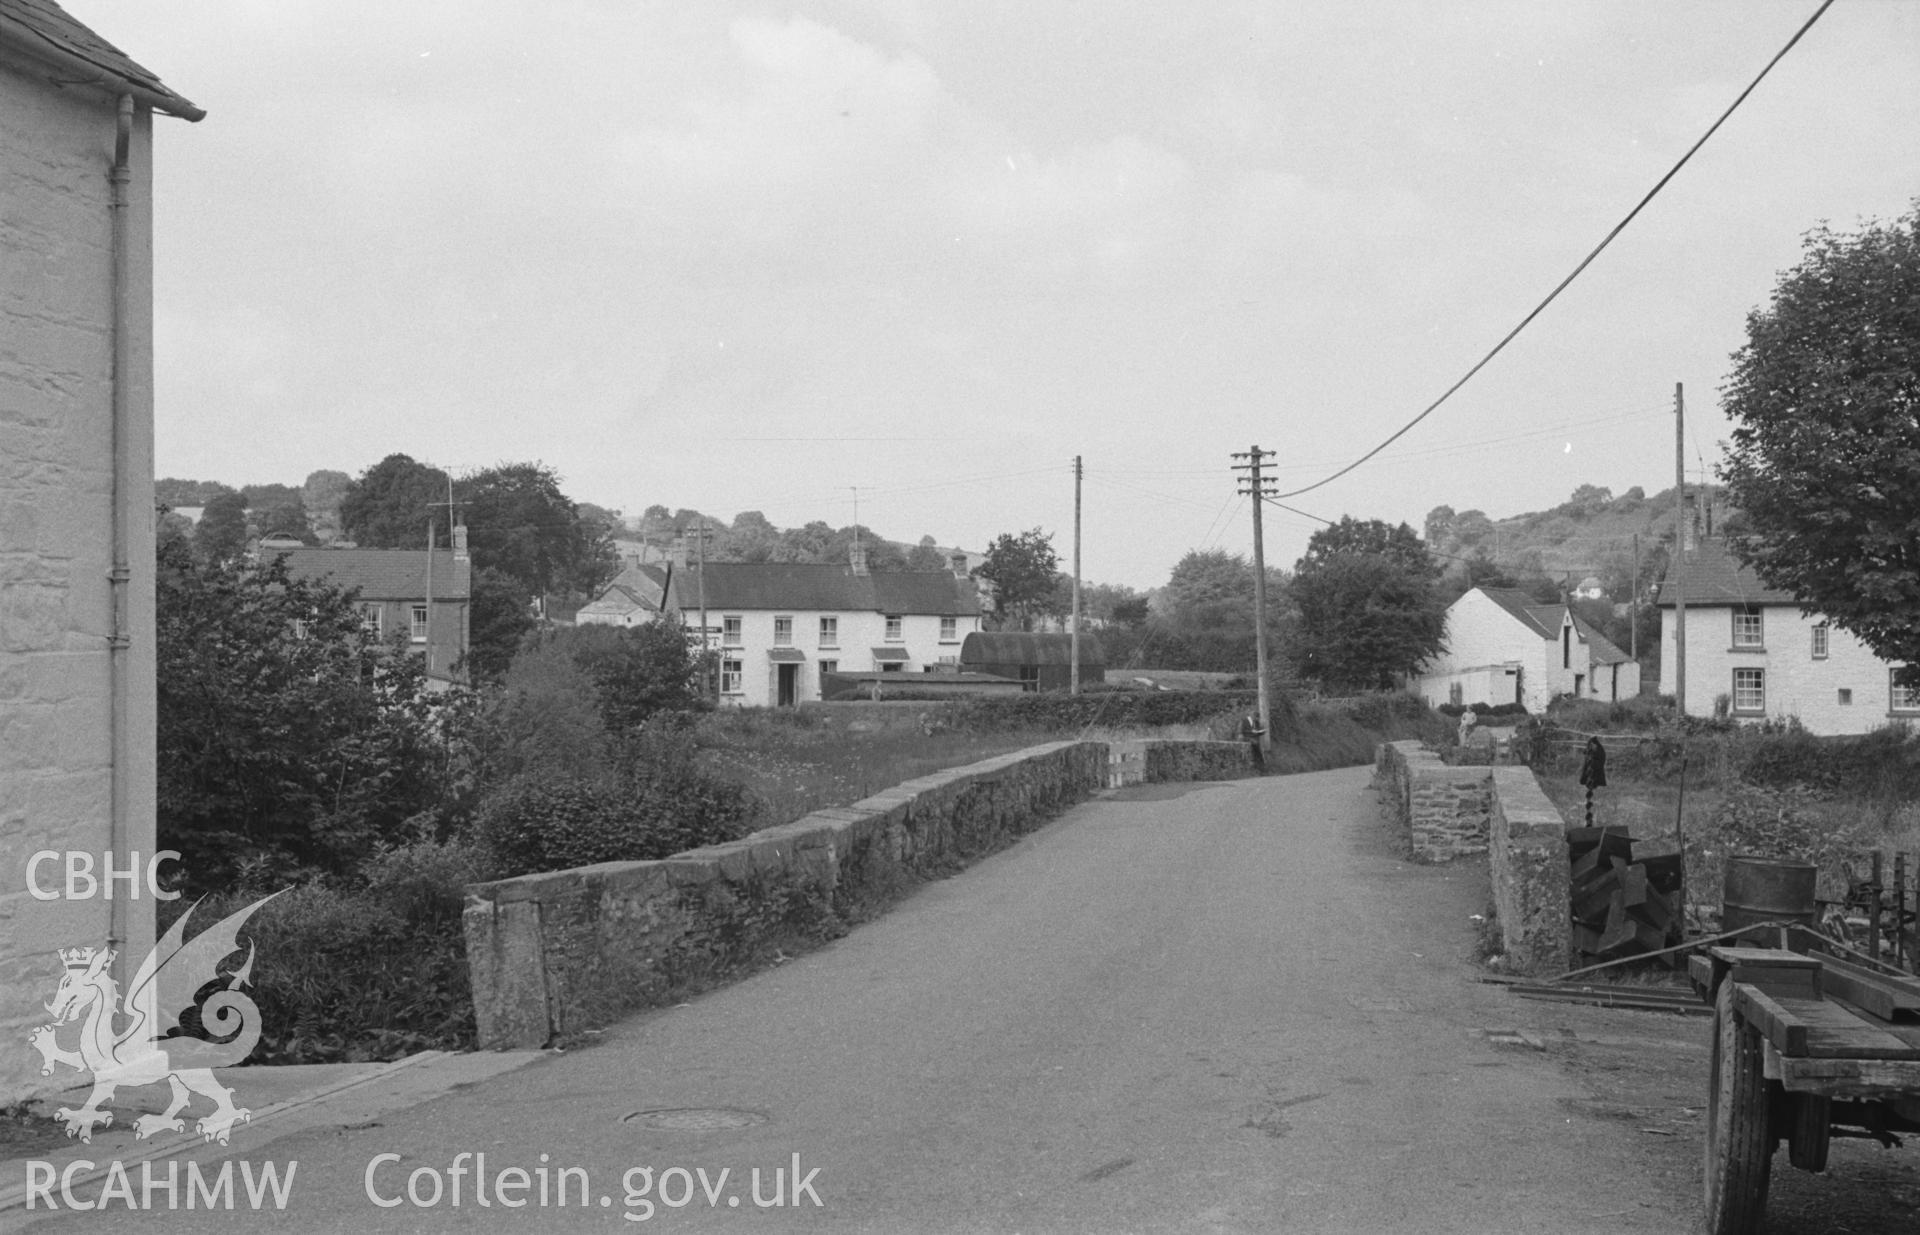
pixel 1633 632
pixel 706 645
pixel 1676 573
pixel 1074 642
pixel 1256 486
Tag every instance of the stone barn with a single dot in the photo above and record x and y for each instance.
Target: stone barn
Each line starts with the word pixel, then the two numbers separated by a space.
pixel 1036 661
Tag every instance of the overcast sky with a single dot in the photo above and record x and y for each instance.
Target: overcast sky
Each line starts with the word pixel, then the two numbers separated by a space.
pixel 745 257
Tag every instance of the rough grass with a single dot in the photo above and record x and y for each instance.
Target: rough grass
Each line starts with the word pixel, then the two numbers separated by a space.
pixel 796 761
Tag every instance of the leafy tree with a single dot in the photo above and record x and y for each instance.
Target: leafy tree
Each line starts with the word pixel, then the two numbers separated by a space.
pixel 173 493
pixel 324 490
pixel 285 519
pixel 289 738
pixel 926 556
pixel 1020 570
pixel 1372 538
pixel 1825 457
pixel 521 524
pixel 221 534
pixel 1439 524
pixel 882 554
pixel 388 507
pixel 1366 619
pixel 498 619
pixel 637 672
pixel 1208 607
pixel 804 544
pixel 261 497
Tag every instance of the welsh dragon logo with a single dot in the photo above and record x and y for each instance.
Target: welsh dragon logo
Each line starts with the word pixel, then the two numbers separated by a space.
pixel 141 1052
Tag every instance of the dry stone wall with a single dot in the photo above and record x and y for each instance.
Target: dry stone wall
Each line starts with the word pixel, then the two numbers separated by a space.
pixel 552 954
pixel 1448 811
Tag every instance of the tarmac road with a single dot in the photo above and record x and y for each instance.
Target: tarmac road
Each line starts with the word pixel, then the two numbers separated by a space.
pixel 1191 1008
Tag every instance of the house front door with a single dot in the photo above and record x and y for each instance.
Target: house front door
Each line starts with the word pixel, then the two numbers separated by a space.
pixel 789 685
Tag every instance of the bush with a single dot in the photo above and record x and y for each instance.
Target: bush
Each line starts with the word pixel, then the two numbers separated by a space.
pixel 660 803
pixel 1771 823
pixel 1483 711
pixel 363 973
pixel 1058 711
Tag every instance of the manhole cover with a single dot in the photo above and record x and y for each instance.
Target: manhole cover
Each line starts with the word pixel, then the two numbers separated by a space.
pixel 696 1118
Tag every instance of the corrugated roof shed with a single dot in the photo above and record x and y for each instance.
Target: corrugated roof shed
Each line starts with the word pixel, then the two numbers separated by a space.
pixel 1019 647
pixel 813 587
pixel 1712 576
pixel 44 30
pixel 385 574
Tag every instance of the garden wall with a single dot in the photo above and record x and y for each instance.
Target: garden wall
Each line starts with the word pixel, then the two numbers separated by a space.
pixel 552 954
pixel 1448 811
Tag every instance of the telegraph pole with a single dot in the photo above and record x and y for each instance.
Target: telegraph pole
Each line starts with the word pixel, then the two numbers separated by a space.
pixel 1256 486
pixel 1677 573
pixel 1075 640
pixel 1633 632
pixel 706 645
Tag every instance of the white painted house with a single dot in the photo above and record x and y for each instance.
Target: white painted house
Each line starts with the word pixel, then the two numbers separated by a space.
pixel 1752 652
pixel 1504 647
pixel 777 627
pixel 77 627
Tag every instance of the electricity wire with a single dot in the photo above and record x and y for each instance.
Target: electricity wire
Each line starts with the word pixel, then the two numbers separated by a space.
pixel 1579 269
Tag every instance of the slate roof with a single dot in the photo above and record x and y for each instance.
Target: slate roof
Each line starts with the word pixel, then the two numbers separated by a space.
pixel 1543 620
pixel 43 29
pixel 385 574
pixel 814 587
pixel 1714 577
pixel 634 588
pixel 1019 647
pixel 1600 649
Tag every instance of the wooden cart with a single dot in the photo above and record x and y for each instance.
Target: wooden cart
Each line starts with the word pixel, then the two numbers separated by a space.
pixel 1807 1047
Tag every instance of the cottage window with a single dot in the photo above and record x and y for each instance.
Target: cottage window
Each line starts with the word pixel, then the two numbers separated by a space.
pixel 1820 641
pixel 1747 627
pixel 370 614
pixel 829 632
pixel 949 630
pixel 782 632
pixel 1903 699
pixel 1846 696
pixel 1750 690
pixel 894 624
pixel 730 677
pixel 730 630
pixel 826 667
pixel 419 616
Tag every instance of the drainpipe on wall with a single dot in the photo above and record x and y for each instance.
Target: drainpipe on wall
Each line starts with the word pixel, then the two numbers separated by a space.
pixel 120 571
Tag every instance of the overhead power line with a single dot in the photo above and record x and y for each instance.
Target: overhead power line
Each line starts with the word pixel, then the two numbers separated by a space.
pixel 1584 262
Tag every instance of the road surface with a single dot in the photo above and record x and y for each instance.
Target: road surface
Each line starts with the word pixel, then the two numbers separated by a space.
pixel 1203 1008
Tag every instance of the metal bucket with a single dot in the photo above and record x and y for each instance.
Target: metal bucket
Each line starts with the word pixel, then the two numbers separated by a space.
pixel 1767 890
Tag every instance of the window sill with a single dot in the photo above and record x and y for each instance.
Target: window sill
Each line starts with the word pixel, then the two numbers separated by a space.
pixel 1750 647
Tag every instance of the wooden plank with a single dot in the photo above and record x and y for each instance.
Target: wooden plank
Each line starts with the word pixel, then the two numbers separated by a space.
pixel 1836 1032
pixel 1775 1023
pixel 1848 1078
pixel 1869 992
pixel 1700 970
pixel 1663 871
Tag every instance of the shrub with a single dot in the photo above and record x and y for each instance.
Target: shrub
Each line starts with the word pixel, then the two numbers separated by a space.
pixel 1483 711
pixel 351 974
pixel 660 803
pixel 1771 823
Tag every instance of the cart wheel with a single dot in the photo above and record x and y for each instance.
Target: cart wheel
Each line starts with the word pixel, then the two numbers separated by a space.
pixel 1739 1139
pixel 1809 1130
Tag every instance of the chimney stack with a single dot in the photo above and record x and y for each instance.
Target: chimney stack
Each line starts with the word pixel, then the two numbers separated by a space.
pixel 857 556
pixel 678 553
pixel 958 560
pixel 460 542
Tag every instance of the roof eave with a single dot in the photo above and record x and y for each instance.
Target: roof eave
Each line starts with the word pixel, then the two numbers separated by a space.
pixel 35 44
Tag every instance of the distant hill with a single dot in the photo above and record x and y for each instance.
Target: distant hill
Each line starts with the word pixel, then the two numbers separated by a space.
pixel 1591 535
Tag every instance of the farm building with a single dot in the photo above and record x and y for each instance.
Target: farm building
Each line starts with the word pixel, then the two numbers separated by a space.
pixel 1036 661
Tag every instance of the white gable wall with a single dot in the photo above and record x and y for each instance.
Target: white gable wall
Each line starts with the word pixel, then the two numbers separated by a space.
pixel 1490 654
